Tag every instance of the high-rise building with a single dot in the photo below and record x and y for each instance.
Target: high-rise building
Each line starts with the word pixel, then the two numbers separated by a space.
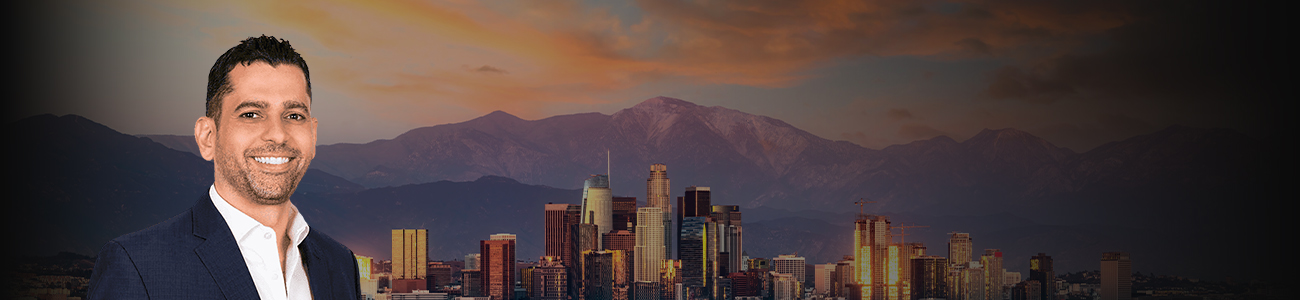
pixel 585 239
pixel 1026 290
pixel 606 274
pixel 843 277
pixel 694 249
pixel 871 257
pixel 790 264
pixel 929 277
pixel 1040 271
pixel 624 213
pixel 549 280
pixel 694 204
pixel 785 286
pixel 992 262
pixel 598 203
pixel 823 274
pixel 410 255
pixel 471 283
pixel 498 266
pixel 670 279
pixel 1116 276
pixel 471 261
pixel 369 285
pixel 560 219
pixel 439 275
pixel 619 240
pixel 657 195
pixel 730 242
pixel 649 251
pixel 959 248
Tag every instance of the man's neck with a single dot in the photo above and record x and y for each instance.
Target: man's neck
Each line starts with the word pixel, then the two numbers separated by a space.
pixel 278 216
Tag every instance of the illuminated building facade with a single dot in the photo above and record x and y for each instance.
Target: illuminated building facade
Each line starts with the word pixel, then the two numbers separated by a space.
pixel 695 249
pixel 657 195
pixel 730 242
pixel 1116 276
pixel 1040 271
pixel 871 257
pixel 560 219
pixel 598 203
pixel 843 280
pixel 670 279
pixel 497 268
pixel 369 284
pixel 550 280
pixel 929 277
pixel 696 203
pixel 959 248
pixel 790 264
pixel 439 275
pixel 649 250
pixel 785 286
pixel 606 274
pixel 410 253
pixel 992 262
pixel 585 239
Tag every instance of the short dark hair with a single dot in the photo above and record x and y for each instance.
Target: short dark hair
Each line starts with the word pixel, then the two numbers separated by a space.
pixel 265 49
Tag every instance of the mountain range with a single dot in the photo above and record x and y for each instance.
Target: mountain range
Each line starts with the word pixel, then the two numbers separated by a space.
pixel 81 183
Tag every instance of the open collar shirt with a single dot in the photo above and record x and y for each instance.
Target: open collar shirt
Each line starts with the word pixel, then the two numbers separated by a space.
pixel 259 246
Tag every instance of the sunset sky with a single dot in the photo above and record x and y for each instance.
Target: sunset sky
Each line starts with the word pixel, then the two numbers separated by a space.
pixel 875 73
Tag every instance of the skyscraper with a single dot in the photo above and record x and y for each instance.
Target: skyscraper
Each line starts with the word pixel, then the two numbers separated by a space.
pixel 550 280
pixel 790 264
pixel 657 195
pixel 649 251
pixel 992 262
pixel 1040 270
pixel 730 242
pixel 1116 276
pixel 498 266
pixel 410 256
pixel 624 213
pixel 619 240
pixel 871 239
pixel 929 277
pixel 824 273
pixel 560 219
pixel 959 248
pixel 694 248
pixel 598 203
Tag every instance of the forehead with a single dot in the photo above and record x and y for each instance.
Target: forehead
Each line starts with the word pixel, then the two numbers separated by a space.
pixel 261 82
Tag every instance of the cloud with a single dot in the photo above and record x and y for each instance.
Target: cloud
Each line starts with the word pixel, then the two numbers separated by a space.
pixel 1010 82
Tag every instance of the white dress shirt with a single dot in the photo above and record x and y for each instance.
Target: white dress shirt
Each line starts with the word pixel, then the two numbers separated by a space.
pixel 260 248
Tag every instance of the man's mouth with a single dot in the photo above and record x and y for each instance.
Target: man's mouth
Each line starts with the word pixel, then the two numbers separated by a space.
pixel 272 160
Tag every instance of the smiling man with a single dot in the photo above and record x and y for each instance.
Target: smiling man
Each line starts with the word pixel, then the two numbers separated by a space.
pixel 246 239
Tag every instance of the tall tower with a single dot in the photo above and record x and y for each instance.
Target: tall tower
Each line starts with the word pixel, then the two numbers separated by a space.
pixel 657 195
pixel 410 253
pixel 790 264
pixel 649 252
pixel 598 204
pixel 1040 269
pixel 959 248
pixel 498 266
pixel 695 248
pixel 871 239
pixel 1116 276
pixel 730 242
pixel 929 277
pixel 560 219
pixel 992 262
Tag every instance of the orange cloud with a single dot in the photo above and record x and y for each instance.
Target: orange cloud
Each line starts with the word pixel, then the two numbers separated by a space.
pixel 564 52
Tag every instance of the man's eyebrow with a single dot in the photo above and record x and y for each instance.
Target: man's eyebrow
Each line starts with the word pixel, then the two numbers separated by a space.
pixel 253 104
pixel 292 104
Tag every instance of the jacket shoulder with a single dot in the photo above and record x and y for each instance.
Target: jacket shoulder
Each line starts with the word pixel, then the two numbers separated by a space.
pixel 179 227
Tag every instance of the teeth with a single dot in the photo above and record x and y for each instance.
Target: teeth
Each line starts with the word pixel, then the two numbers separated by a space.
pixel 272 160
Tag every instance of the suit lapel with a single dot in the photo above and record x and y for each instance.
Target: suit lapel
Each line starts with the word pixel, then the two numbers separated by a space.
pixel 317 268
pixel 220 253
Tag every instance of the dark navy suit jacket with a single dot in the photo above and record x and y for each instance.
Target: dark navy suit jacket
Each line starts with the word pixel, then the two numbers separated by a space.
pixel 194 256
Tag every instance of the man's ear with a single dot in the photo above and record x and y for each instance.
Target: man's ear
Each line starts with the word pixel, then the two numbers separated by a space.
pixel 205 134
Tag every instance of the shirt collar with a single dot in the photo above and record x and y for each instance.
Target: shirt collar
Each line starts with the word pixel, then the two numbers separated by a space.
pixel 241 225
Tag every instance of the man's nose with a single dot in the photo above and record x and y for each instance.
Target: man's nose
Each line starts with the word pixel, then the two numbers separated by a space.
pixel 275 131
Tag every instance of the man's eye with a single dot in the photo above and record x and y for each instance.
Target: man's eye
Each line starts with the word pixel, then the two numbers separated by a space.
pixel 248 115
pixel 296 117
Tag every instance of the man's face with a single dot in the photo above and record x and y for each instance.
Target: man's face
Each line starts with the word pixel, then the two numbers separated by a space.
pixel 266 137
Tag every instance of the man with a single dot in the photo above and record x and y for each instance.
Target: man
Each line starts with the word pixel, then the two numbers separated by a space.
pixel 245 240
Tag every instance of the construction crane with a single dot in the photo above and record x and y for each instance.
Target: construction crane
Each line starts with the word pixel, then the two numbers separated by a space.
pixel 903 236
pixel 861 210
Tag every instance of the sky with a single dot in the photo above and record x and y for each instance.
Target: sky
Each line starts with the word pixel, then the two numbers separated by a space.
pixel 875 73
